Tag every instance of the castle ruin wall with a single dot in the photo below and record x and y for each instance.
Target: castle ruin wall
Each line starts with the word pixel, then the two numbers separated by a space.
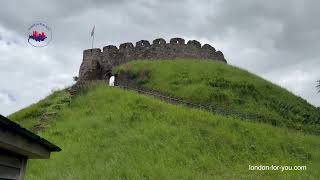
pixel 97 64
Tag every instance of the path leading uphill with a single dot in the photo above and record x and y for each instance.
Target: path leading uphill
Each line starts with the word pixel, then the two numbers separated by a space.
pixel 211 108
pixel 216 109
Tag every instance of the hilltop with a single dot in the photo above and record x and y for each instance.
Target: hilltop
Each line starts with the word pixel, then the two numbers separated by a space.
pixel 224 89
pixel 109 132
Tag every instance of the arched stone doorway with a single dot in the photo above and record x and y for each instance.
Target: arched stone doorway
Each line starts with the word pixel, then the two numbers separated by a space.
pixel 107 75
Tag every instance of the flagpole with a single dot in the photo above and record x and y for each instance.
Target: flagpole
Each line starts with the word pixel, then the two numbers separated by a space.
pixel 92 41
pixel 92 35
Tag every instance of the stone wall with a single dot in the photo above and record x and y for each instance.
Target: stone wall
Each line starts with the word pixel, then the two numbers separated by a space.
pixel 97 65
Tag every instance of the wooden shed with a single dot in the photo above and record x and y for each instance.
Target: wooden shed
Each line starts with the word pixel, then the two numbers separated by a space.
pixel 17 145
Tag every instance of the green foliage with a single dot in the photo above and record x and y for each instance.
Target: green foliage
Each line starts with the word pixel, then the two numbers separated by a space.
pixel 221 85
pixel 110 133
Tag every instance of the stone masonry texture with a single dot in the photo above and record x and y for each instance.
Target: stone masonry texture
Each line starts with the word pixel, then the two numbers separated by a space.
pixel 97 64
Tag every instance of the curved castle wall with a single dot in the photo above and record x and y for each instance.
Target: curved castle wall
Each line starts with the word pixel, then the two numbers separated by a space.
pixel 98 65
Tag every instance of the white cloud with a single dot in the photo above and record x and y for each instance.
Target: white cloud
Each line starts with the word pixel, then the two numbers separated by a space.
pixel 278 41
pixel 28 73
pixel 299 78
pixel 5 99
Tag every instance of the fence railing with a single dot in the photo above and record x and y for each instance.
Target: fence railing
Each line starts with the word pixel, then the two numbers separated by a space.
pixel 208 107
pixel 212 107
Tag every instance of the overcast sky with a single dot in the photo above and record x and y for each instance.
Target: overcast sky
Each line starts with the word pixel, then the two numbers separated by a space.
pixel 278 40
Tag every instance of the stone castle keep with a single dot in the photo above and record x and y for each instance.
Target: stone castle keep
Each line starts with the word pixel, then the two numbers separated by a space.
pixel 97 65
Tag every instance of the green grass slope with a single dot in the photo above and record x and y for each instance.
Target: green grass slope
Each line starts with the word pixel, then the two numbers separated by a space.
pixel 110 133
pixel 220 85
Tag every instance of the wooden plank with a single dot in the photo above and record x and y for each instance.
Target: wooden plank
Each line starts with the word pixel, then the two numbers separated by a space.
pixel 10 160
pixel 9 172
pixel 18 144
pixel 23 168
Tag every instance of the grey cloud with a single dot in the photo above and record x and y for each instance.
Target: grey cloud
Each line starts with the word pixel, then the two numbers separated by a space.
pixel 5 93
pixel 298 31
pixel 18 15
pixel 271 39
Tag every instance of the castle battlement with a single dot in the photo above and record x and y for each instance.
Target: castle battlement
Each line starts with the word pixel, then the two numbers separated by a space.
pixel 98 64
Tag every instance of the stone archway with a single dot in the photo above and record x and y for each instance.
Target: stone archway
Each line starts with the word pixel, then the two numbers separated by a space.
pixel 107 75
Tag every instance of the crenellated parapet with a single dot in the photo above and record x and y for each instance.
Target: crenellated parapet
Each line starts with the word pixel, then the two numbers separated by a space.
pixel 98 64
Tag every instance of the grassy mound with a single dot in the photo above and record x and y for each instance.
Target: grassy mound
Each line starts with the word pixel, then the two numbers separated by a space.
pixel 117 134
pixel 220 85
